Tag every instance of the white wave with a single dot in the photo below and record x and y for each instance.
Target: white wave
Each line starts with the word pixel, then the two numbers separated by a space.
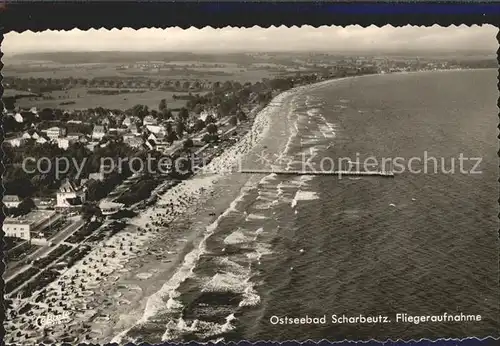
pixel 304 196
pixel 173 304
pixel 237 237
pixel 203 328
pixel 306 178
pixel 250 297
pixel 279 188
pixel 256 217
pixel 313 112
pixel 226 282
pixel 268 178
pixel 155 302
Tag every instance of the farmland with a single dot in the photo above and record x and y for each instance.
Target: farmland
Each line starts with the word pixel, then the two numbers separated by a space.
pixel 123 70
pixel 184 70
pixel 80 98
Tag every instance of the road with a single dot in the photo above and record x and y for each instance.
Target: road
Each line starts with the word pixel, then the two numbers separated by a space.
pixel 51 264
pixel 46 249
pixel 57 239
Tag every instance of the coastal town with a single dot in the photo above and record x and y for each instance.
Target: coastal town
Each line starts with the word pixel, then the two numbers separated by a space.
pixel 61 203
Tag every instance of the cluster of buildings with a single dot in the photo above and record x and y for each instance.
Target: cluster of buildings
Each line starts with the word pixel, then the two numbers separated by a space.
pixel 35 226
pixel 147 133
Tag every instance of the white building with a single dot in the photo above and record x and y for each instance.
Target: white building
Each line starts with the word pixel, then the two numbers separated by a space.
pixel 44 203
pixel 26 226
pixel 74 136
pixel 156 128
pixel 15 142
pixel 92 145
pixel 127 122
pixel 11 201
pixel 160 140
pixel 149 120
pixel 18 117
pixel 133 129
pixel 41 140
pixel 98 132
pixel 99 176
pixel 133 141
pixel 54 132
pixel 63 143
pixel 70 196
pixel 110 208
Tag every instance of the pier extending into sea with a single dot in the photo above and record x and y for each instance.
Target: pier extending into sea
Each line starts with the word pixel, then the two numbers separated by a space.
pixel 387 174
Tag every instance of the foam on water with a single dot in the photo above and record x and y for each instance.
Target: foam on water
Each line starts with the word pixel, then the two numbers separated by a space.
pixel 226 282
pixel 202 328
pixel 250 297
pixel 255 217
pixel 237 237
pixel 304 196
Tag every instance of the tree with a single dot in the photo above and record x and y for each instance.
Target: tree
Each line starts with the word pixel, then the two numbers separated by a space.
pixel 168 127
pixel 188 143
pixel 163 105
pixel 209 119
pixel 206 138
pixel 89 210
pixel 171 137
pixel 180 128
pixel 24 207
pixel 212 129
pixel 233 121
pixel 182 168
pixel 140 111
pixel 199 125
pixel 198 108
pixel 165 114
pixel 183 114
pixel 46 114
pixel 241 116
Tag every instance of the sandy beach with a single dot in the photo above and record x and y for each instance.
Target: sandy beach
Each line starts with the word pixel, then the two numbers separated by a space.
pixel 113 282
pixel 121 281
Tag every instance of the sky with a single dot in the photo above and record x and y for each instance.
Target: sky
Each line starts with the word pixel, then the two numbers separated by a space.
pixel 306 38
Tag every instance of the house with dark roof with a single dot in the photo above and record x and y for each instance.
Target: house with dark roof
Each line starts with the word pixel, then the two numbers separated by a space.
pixel 70 196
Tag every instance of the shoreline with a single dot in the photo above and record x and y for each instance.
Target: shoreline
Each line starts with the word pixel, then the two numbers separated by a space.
pixel 142 287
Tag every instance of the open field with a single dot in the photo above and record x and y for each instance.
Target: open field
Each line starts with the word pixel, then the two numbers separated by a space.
pixel 83 100
pixel 14 92
pixel 152 69
pixel 213 74
pixel 80 98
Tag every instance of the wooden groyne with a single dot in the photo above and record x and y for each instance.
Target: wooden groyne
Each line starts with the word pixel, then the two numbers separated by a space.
pixel 386 174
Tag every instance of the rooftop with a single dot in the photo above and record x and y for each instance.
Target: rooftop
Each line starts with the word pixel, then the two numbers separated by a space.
pixel 30 218
pixel 110 204
pixel 11 198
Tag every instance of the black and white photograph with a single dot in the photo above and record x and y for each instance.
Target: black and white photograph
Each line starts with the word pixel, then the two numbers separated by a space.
pixel 227 184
